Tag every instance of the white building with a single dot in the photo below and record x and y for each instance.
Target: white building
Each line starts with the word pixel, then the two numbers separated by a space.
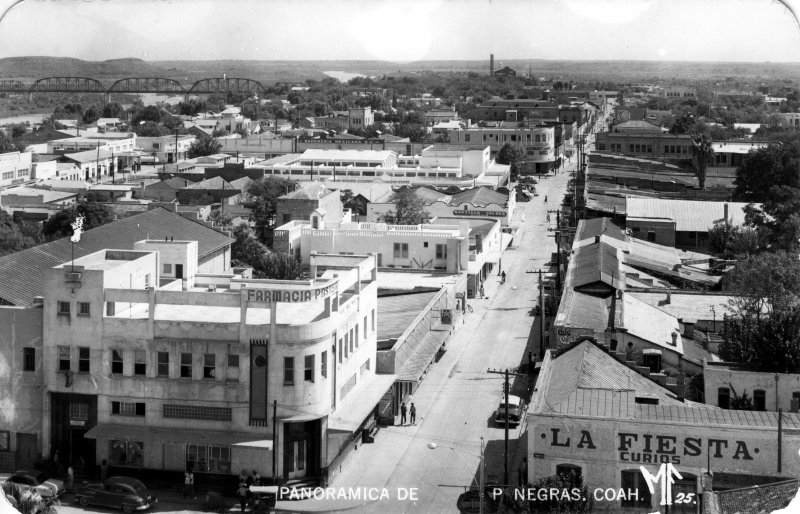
pixel 15 168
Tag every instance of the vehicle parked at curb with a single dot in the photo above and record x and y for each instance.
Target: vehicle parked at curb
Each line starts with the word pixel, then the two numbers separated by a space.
pixel 41 483
pixel 513 410
pixel 128 494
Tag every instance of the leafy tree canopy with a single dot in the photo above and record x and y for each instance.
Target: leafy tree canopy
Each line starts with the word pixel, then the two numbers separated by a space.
pixel 509 153
pixel 60 224
pixel 203 146
pixel 409 210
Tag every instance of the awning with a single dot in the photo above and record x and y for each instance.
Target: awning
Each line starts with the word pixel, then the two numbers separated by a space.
pixel 262 443
pixel 152 434
pixel 352 412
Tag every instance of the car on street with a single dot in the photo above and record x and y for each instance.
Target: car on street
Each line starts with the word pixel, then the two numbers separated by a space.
pixel 39 482
pixel 128 494
pixel 513 410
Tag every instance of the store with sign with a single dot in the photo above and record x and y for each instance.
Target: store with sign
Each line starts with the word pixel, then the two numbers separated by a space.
pixel 596 417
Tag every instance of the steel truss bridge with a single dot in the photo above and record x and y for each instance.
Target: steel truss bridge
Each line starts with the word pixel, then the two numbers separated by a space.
pixel 135 85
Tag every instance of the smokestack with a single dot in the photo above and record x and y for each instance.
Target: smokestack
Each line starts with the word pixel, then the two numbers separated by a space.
pixel 491 65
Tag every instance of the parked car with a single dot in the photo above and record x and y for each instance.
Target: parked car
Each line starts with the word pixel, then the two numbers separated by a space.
pixel 128 494
pixel 513 410
pixel 39 482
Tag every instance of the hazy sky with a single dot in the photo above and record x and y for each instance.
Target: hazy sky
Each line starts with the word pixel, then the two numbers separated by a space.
pixel 403 30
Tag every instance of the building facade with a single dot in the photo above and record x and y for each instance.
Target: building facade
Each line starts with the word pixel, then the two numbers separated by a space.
pixel 151 365
pixel 15 168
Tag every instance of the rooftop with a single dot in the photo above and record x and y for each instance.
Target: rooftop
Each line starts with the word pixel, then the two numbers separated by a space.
pixel 47 195
pixel 689 215
pixel 347 155
pixel 396 312
pixel 740 147
pixel 22 273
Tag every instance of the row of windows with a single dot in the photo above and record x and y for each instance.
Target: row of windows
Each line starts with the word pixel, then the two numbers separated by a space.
pixel 138 409
pixel 759 399
pixel 200 458
pixel 186 369
pixel 401 250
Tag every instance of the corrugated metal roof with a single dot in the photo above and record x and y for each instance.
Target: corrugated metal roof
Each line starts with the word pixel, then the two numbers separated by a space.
pixel 22 273
pixel 589 229
pixel 689 215
pixel 397 312
pixel 595 263
pixel 479 196
pixel 649 323
pixel 211 183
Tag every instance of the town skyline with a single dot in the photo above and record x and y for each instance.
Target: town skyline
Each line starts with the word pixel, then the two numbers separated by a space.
pixel 406 31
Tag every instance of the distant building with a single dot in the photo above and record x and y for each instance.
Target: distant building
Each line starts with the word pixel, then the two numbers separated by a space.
pixel 725 382
pixel 505 71
pixel 15 168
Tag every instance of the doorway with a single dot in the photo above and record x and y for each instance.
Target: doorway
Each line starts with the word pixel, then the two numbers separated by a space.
pixel 179 271
pixel 297 458
pixel 26 450
pixel 301 449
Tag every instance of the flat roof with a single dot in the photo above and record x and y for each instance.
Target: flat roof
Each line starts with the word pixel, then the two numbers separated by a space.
pixel 349 155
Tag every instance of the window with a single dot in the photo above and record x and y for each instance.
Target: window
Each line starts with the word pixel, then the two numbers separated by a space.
pixel 352 339
pixel 147 281
pixel 441 251
pixel 651 236
pixel 83 359
pixel 29 359
pixel 233 360
pixel 340 350
pixel 380 260
pixel 139 362
pixel 759 399
pixel 186 365
pixel 166 269
pixel 116 361
pixel 309 368
pixel 111 308
pixel 64 358
pixel 356 336
pixel 425 244
pixel 466 138
pixel 63 308
pixel 79 411
pixel 401 250
pixel 633 479
pixel 724 398
pixel 162 364
pixel 125 453
pixel 209 365
pixel 209 458
pixel 197 412
pixel 323 364
pixel 346 346
pixel 373 320
pixel 794 406
pixel 365 326
pixel 128 408
pixel 288 371
pixel 364 367
pixel 83 308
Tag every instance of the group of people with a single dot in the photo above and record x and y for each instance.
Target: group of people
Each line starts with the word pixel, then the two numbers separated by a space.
pixel 243 490
pixel 410 410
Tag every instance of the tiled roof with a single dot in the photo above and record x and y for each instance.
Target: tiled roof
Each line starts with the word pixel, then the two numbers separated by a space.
pixel 427 195
pixel 212 183
pixel 479 196
pixel 22 273
pixel 689 215
pixel 241 183
pixel 574 374
pixel 759 498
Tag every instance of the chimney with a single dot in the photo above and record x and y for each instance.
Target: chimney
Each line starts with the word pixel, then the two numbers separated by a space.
pixel 674 339
pixel 491 65
pixel 669 298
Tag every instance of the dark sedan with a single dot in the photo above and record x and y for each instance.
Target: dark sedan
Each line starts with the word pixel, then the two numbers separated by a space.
pixel 123 493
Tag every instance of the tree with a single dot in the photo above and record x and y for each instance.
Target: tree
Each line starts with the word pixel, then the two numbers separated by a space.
pixel 509 153
pixel 702 151
pixel 246 250
pixel 763 329
pixel 413 131
pixel 6 143
pixel 60 224
pixel 27 501
pixel 203 146
pixel 113 110
pixel 264 194
pixel 17 236
pixel 149 129
pixel 776 165
pixel 281 266
pixel 409 209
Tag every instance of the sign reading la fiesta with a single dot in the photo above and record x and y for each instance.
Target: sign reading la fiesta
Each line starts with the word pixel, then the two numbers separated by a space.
pixel 290 295
pixel 652 448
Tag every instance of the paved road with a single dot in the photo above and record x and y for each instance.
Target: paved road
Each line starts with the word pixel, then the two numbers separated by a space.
pixel 457 399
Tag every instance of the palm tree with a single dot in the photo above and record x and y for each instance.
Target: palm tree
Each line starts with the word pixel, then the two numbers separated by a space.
pixel 702 153
pixel 26 502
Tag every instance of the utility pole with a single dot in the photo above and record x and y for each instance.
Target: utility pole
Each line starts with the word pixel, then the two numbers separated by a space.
pixel 542 316
pixel 506 389
pixel 558 247
pixel 481 480
pixel 275 441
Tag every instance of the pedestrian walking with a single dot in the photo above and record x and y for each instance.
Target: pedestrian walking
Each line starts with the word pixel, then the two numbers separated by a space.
pixel 248 481
pixel 403 413
pixel 413 411
pixel 482 294
pixel 103 470
pixel 70 478
pixel 256 478
pixel 241 492
pixel 188 484
pixel 503 277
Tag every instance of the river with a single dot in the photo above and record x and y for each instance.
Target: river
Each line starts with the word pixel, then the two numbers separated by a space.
pixel 342 76
pixel 22 118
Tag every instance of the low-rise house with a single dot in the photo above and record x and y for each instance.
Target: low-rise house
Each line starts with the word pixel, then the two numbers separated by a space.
pixel 726 384
pixel 15 168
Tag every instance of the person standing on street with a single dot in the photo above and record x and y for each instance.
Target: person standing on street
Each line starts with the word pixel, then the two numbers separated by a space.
pixel 103 470
pixel 70 478
pixel 482 294
pixel 241 492
pixel 188 483
pixel 413 411
pixel 403 413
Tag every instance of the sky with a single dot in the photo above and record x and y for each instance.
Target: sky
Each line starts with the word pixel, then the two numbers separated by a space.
pixel 403 30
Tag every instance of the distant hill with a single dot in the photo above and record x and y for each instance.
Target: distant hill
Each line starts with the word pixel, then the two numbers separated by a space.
pixel 269 72
pixel 40 67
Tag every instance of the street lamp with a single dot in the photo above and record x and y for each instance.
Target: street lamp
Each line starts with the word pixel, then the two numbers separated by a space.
pixel 481 469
